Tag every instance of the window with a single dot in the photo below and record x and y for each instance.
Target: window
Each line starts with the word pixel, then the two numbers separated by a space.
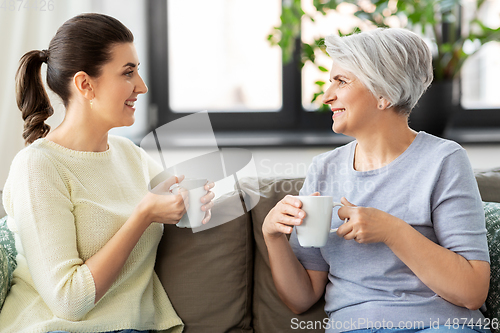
pixel 481 71
pixel 214 55
pixel 480 79
pixel 219 58
pixel 479 98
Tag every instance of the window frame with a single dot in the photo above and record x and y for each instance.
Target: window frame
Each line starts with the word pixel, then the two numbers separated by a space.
pixel 292 117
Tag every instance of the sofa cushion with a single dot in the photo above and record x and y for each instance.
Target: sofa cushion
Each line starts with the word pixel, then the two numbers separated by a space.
pixel 270 314
pixel 208 275
pixel 489 184
pixel 492 214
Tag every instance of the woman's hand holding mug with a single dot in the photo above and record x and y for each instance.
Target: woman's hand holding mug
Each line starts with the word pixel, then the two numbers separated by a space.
pixel 161 205
pixel 284 216
pixel 366 224
pixel 198 202
pixel 207 202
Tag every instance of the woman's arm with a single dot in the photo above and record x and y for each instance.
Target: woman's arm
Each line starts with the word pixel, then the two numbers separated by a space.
pixel 40 203
pixel 158 206
pixel 460 281
pixel 298 288
pixel 107 263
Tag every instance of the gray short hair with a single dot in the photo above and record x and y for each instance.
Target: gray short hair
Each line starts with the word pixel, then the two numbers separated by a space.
pixel 391 62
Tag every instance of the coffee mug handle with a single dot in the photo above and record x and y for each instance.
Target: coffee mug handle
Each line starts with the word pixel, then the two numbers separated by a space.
pixel 337 204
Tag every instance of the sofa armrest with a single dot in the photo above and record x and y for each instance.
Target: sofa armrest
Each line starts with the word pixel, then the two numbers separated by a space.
pixel 488 182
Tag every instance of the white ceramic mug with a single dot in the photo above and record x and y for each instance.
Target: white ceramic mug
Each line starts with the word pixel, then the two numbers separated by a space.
pixel 194 215
pixel 315 227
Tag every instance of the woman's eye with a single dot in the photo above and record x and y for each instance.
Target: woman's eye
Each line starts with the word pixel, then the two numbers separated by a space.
pixel 129 73
pixel 338 82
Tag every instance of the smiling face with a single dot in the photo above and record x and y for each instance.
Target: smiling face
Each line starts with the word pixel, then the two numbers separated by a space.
pixel 353 105
pixel 117 88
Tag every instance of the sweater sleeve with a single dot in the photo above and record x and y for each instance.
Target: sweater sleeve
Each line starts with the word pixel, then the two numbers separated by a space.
pixel 40 203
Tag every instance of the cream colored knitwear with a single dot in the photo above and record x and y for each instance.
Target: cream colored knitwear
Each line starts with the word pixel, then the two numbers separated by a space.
pixel 63 206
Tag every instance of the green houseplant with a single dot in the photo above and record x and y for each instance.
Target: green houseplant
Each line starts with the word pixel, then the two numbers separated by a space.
pixel 453 33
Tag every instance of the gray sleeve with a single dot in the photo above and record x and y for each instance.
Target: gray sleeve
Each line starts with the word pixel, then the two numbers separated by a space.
pixel 457 210
pixel 310 258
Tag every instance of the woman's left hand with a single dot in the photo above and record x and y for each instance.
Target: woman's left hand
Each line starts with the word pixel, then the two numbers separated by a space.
pixel 207 202
pixel 365 224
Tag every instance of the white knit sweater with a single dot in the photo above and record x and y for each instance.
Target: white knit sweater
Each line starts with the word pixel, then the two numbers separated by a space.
pixel 63 206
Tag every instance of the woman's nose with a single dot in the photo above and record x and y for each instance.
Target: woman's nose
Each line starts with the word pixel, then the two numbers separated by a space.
pixel 329 96
pixel 141 87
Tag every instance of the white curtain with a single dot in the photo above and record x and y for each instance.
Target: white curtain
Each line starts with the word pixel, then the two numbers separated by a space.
pixel 23 27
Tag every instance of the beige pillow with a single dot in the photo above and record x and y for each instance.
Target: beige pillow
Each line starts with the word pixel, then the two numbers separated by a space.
pixel 208 275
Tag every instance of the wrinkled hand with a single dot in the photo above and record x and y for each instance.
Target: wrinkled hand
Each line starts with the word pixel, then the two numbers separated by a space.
pixel 284 216
pixel 365 224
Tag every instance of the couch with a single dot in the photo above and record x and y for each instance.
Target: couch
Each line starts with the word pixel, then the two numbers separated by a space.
pixel 219 280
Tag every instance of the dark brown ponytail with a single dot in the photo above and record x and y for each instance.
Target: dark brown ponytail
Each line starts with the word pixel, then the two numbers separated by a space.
pixel 83 43
pixel 32 98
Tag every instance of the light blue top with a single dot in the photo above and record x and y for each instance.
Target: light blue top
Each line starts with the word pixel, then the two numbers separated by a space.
pixel 432 187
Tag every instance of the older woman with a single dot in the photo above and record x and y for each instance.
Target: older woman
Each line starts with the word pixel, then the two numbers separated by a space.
pixel 413 249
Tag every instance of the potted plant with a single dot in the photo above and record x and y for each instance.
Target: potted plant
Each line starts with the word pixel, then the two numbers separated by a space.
pixel 453 33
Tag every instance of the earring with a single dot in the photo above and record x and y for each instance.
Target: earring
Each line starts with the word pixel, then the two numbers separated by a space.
pixel 91 104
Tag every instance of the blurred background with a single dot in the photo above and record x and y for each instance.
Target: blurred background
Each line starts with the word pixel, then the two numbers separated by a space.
pixel 259 69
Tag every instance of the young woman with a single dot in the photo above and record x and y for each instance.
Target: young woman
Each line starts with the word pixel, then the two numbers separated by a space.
pixel 86 226
pixel 413 253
